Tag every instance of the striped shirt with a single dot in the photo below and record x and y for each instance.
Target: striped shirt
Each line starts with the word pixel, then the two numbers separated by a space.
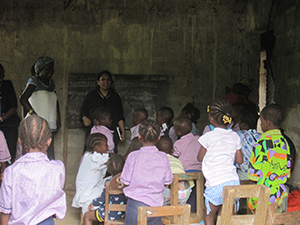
pixel 32 189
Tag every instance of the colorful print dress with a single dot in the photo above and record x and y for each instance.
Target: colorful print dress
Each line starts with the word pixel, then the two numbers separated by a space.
pixel 270 164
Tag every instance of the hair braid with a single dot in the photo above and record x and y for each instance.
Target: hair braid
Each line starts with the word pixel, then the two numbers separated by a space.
pixel 34 132
pixel 93 140
pixel 220 110
pixel 149 131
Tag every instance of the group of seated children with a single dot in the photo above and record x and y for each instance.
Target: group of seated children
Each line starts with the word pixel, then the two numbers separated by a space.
pixel 224 155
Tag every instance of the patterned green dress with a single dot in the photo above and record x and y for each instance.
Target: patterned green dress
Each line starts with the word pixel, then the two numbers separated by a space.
pixel 270 164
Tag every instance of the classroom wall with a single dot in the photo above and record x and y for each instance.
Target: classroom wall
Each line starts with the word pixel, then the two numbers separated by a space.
pixel 283 17
pixel 202 45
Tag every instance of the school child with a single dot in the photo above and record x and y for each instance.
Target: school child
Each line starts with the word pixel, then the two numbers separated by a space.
pixel 138 116
pixel 270 161
pixel 32 189
pixel 193 113
pixel 184 187
pixel 249 136
pixel 134 145
pixel 5 156
pixel 164 118
pixel 236 110
pixel 90 177
pixel 96 211
pixel 187 147
pixel 102 122
pixel 145 173
pixel 219 149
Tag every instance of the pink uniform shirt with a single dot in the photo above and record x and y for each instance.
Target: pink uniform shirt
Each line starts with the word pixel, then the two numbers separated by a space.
pixel 32 189
pixel 109 135
pixel 186 149
pixel 4 152
pixel 134 131
pixel 146 171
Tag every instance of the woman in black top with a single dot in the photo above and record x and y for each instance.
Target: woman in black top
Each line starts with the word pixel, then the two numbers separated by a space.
pixel 9 119
pixel 104 96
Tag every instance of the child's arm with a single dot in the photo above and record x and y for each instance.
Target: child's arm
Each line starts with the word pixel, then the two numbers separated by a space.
pixel 4 218
pixel 239 156
pixel 201 153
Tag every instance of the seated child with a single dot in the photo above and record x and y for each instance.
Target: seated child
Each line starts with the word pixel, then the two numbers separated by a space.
pixel 134 145
pixel 92 169
pixel 102 123
pixel 184 187
pixel 96 211
pixel 193 113
pixel 270 161
pixel 249 136
pixel 4 153
pixel 145 173
pixel 32 188
pixel 187 147
pixel 237 109
pixel 164 118
pixel 219 149
pixel 138 116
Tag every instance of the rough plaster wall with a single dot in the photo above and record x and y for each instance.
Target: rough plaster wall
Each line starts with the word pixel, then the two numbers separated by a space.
pixel 202 45
pixel 285 62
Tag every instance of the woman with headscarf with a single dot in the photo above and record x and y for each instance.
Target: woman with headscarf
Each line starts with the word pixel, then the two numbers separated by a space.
pixel 39 97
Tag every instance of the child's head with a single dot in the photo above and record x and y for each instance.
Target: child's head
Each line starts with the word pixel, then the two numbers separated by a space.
pixel 135 144
pixel 165 144
pixel 139 115
pixel 149 132
pixel 191 112
pixel 182 126
pixel 164 115
pixel 97 142
pixel 236 110
pixel 115 164
pixel 248 120
pixel 102 116
pixel 271 117
pixel 34 134
pixel 219 113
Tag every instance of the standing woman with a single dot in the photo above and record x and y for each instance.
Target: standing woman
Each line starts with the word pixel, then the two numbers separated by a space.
pixel 9 119
pixel 104 96
pixel 39 97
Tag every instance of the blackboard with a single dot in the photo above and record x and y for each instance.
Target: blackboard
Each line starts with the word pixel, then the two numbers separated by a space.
pixel 136 91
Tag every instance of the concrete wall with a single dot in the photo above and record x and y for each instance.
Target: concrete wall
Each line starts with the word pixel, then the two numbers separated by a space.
pixel 203 45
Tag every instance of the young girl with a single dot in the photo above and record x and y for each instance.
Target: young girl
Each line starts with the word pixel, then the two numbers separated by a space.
pixel 90 177
pixel 115 166
pixel 219 149
pixel 39 97
pixel 102 123
pixel 32 189
pixel 146 171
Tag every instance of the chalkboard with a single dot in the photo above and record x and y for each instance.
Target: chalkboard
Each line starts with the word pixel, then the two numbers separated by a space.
pixel 136 91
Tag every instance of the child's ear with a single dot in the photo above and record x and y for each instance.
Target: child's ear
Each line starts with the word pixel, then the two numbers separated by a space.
pixel 48 142
pixel 96 122
pixel 158 138
pixel 140 137
pixel 20 142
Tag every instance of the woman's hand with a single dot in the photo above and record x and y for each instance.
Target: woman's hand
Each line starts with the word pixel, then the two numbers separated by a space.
pixel 86 121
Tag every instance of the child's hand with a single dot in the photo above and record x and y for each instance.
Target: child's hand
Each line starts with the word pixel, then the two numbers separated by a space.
pixel 91 206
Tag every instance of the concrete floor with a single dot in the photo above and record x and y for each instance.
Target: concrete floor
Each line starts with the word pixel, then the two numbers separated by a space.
pixel 73 214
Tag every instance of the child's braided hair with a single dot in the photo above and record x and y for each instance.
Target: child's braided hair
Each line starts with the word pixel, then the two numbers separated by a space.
pixel 149 131
pixel 93 140
pixel 220 110
pixel 34 132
